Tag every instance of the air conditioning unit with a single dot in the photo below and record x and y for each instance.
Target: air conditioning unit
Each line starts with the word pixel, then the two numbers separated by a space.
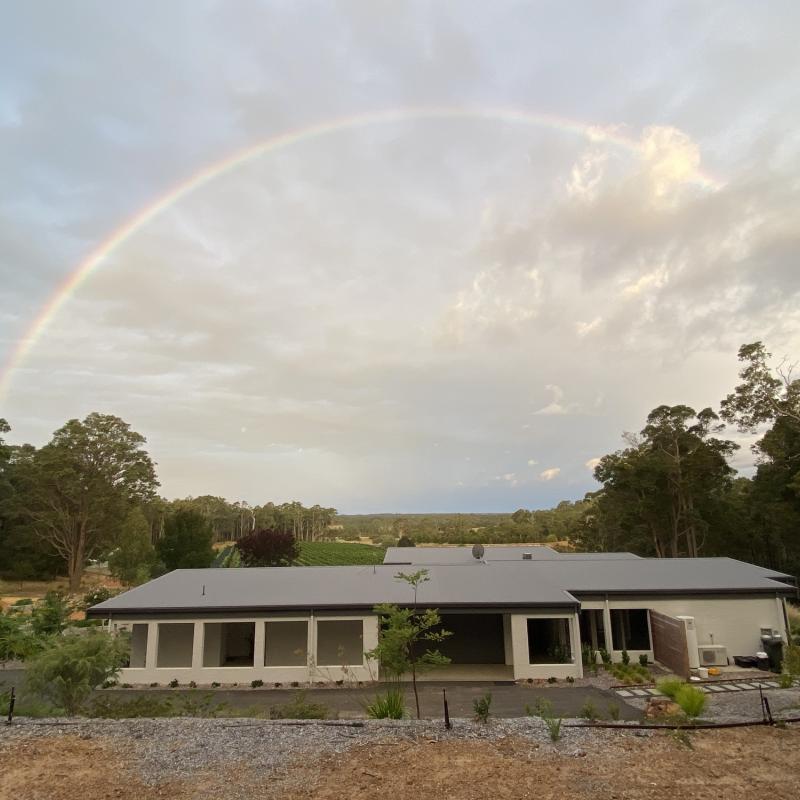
pixel 713 655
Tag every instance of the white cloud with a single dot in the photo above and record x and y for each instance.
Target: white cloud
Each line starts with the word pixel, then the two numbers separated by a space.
pixel 532 462
pixel 549 474
pixel 556 407
pixel 592 463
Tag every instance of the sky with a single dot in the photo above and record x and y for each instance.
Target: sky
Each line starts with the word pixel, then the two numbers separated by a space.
pixel 417 256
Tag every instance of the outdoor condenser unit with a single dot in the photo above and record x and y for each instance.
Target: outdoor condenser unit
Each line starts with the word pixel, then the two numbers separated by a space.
pixel 713 655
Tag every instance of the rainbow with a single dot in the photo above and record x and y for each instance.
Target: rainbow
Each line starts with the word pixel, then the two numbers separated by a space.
pixel 231 162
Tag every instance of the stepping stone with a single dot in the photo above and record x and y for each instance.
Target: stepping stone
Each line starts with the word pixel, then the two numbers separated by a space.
pixel 714 688
pixel 639 692
pixel 732 687
pixel 654 692
pixel 772 684
pixel 745 686
pixel 624 693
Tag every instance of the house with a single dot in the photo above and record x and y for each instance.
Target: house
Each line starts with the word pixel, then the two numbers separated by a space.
pixel 515 613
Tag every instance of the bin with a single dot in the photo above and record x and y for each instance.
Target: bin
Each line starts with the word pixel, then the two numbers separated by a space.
pixel 773 647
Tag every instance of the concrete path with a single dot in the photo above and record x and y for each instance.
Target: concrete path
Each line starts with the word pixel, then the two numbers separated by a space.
pixel 715 687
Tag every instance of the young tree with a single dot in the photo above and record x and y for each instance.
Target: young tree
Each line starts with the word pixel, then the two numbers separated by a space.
pixel 268 548
pixel 79 487
pixel 405 637
pixel 51 616
pixel 186 543
pixel 68 670
pixel 134 558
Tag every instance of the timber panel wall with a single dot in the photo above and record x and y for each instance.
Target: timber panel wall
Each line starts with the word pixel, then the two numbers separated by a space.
pixel 669 643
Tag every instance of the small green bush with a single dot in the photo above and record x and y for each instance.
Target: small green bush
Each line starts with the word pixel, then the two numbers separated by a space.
pixel 482 707
pixel 613 711
pixel 173 684
pixel 50 616
pixel 387 706
pixel 570 679
pixel 552 679
pixel 97 595
pixel 589 711
pixel 785 680
pixel 643 660
pixel 626 659
pixel 23 601
pixel 106 707
pixel 691 700
pixel 257 683
pixel 215 684
pixel 605 656
pixel 791 660
pixel 670 687
pixel 299 708
pixel 73 665
pixel 553 728
pixel 542 708
pixel 192 684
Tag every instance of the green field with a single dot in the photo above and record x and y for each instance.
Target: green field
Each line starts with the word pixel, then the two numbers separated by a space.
pixel 329 554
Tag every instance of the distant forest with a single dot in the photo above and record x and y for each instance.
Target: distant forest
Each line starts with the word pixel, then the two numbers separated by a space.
pixel 90 494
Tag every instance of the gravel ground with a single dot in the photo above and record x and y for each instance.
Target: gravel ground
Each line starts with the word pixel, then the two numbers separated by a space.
pixel 744 705
pixel 170 749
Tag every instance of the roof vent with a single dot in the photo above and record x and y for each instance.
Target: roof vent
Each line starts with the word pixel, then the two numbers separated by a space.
pixel 527 556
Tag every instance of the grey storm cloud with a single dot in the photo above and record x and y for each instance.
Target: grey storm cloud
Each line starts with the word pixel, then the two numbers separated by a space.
pixel 431 313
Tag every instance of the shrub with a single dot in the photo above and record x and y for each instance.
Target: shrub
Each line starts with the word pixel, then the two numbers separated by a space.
pixel 605 656
pixel 23 601
pixel 613 711
pixel 589 711
pixel 215 684
pixel 192 684
pixel 256 683
pixel 643 660
pixel 670 687
pixel 153 685
pixel 97 595
pixel 299 708
pixel 16 640
pixel 107 707
pixel 51 616
pixel 553 728
pixel 387 706
pixel 294 684
pixel 542 708
pixel 199 705
pixel 785 680
pixel 552 679
pixel 791 660
pixel 691 700
pixel 481 706
pixel 570 679
pixel 173 684
pixel 626 659
pixel 73 665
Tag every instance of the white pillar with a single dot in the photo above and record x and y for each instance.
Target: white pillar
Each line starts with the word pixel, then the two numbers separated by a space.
pixel 258 643
pixel 607 625
pixel 151 652
pixel 197 646
pixel 575 643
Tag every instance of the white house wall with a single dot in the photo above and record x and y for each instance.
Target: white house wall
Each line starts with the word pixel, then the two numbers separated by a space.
pixel 734 622
pixel 177 643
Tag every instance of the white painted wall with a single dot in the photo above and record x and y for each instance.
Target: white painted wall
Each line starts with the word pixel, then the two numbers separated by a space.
pixel 735 622
pixel 519 637
pixel 169 646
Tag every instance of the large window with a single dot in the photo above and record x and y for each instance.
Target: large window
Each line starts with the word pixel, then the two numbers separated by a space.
pixel 340 643
pixel 286 644
pixel 175 641
pixel 228 644
pixel 548 641
pixel 138 645
pixel 630 629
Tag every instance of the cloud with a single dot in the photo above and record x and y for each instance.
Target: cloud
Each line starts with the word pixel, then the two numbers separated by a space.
pixel 550 473
pixel 532 462
pixel 556 407
pixel 592 463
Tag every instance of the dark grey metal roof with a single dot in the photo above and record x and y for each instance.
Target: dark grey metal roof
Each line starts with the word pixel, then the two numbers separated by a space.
pixel 336 587
pixel 549 582
pixel 463 554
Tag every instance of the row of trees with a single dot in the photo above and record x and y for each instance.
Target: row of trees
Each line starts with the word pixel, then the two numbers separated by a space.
pixel 91 493
pixel 672 492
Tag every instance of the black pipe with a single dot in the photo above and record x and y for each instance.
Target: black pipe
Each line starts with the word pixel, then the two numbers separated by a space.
pixel 447 723
pixel 685 727
pixel 11 702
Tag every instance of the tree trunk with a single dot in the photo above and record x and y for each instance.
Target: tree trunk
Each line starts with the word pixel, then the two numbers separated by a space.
pixel 76 559
pixel 414 684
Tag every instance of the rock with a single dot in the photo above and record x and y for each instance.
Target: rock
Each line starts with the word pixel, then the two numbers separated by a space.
pixel 661 707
